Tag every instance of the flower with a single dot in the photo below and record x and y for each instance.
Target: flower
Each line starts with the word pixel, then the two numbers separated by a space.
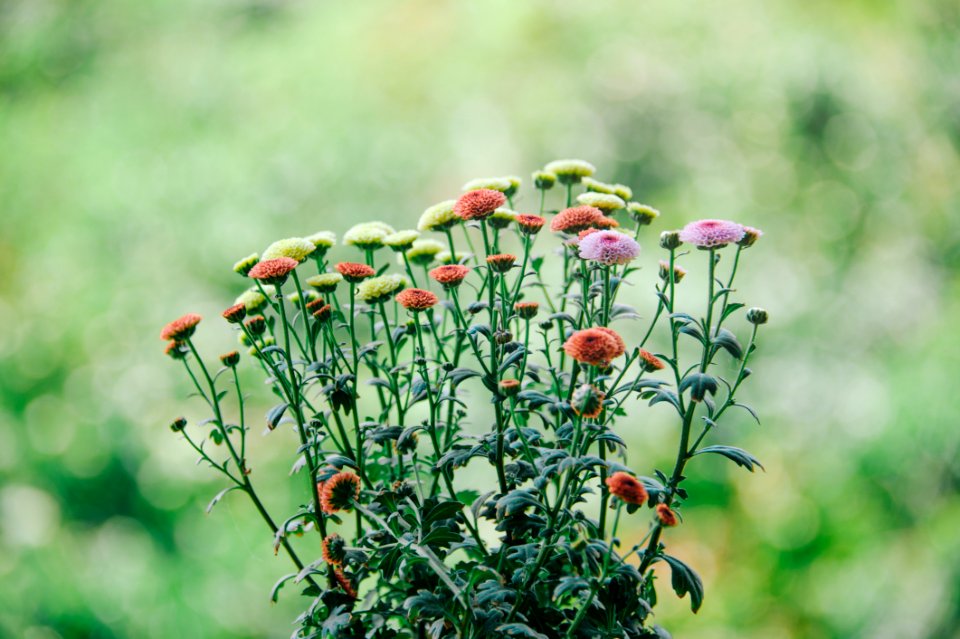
pixel 575 241
pixel 493 183
pixel 416 299
pixel 308 296
pixel 178 424
pixel 256 324
pixel 324 282
pixel 575 219
pixel 478 204
pixel 339 492
pixel 609 247
pixel 175 350
pixel 667 517
pixel 401 240
pixel 501 218
pixel 757 316
pixel 368 236
pixel 708 234
pixel 450 275
pixel 354 272
pixel 439 217
pixel 230 359
pixel 274 271
pixel 678 272
pixel 380 289
pixel 570 171
pixel 596 186
pixel 621 345
pixel 509 387
pixel 333 549
pixel 422 252
pixel 526 310
pixel 594 346
pixel 344 582
pixel 622 191
pixel 670 240
pixel 606 223
pixel 296 248
pixel 587 401
pixel 642 213
pixel 323 240
pixel 502 262
pixel 323 313
pixel 446 257
pixel 544 180
pixel 530 224
pixel 181 328
pixel 606 202
pixel 252 299
pixel 649 362
pixel 750 236
pixel 627 487
pixel 235 313
pixel 243 266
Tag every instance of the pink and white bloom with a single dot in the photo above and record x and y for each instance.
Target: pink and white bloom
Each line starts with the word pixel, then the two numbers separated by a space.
pixel 609 247
pixel 712 233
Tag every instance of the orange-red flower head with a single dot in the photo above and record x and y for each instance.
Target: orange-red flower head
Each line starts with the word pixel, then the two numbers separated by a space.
pixel 333 549
pixel 666 516
pixel 621 346
pixel 576 219
pixel 627 487
pixel 235 313
pixel 324 313
pixel 650 362
pixel 273 271
pixel 450 275
pixel 344 582
pixel 526 310
pixel 339 492
pixel 530 224
pixel 354 272
pixel 501 263
pixel 478 204
pixel 416 299
pixel 594 346
pixel 509 387
pixel 181 328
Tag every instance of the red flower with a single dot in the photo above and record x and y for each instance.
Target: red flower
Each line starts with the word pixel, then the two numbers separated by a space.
pixel 627 487
pixel 606 223
pixel 315 305
pixel 666 516
pixel 501 263
pixel 353 272
pixel 273 271
pixel 181 328
pixel 332 549
pixel 650 362
pixel 323 313
pixel 344 582
pixel 478 204
pixel 530 224
pixel 416 299
pixel 450 275
pixel 235 313
pixel 594 347
pixel 621 346
pixel 575 219
pixel 339 492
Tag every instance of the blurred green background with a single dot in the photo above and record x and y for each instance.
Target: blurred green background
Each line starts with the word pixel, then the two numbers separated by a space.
pixel 147 145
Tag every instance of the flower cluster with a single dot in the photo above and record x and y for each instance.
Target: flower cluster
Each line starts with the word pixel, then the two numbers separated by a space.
pixel 498 339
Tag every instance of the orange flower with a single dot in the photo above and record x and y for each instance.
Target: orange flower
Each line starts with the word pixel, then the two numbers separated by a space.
pixel 594 347
pixel 450 275
pixel 478 204
pixel 666 516
pixel 526 310
pixel 509 387
pixel 339 492
pixel 650 362
pixel 344 582
pixel 627 487
pixel 416 299
pixel 273 271
pixel 315 305
pixel 323 313
pixel 621 346
pixel 501 263
pixel 353 272
pixel 235 313
pixel 575 219
pixel 175 350
pixel 606 223
pixel 332 549
pixel 181 328
pixel 530 224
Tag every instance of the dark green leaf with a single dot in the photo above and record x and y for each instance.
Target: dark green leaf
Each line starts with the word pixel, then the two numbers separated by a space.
pixel 737 455
pixel 684 580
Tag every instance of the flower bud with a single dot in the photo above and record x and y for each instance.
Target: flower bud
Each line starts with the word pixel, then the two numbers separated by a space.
pixel 256 325
pixel 235 313
pixel 503 337
pixel 509 387
pixel 230 359
pixel 667 517
pixel 757 316
pixel 670 240
pixel 544 180
pixel 678 272
pixel 178 424
pixel 587 401
pixel 175 350
pixel 526 310
pixel 243 266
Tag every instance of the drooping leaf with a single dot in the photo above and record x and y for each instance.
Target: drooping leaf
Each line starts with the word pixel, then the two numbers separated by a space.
pixel 685 580
pixel 737 455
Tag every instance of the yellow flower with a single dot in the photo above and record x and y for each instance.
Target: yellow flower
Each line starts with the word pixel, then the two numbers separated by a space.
pixel 501 218
pixel 368 235
pixel 401 240
pixel 253 300
pixel 604 201
pixel 570 171
pixel 508 185
pixel 622 191
pixel 642 213
pixel 323 239
pixel 597 186
pixel 324 282
pixel 296 248
pixel 438 217
pixel 544 180
pixel 422 252
pixel 380 289
pixel 243 266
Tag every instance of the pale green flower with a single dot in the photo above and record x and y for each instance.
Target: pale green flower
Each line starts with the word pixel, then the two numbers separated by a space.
pixel 266 342
pixel 642 213
pixel 597 186
pixel 380 289
pixel 243 266
pixel 368 235
pixel 446 257
pixel 570 171
pixel 308 295
pixel 323 240
pixel 501 218
pixel 493 183
pixel 438 217
pixel 604 201
pixel 324 282
pixel 422 252
pixel 253 300
pixel 544 180
pixel 296 248
pixel 622 191
pixel 401 240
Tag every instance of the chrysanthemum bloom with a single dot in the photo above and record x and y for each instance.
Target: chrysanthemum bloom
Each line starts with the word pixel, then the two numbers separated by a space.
pixel 354 272
pixel 178 424
pixel 544 180
pixel 575 219
pixel 707 234
pixel 368 236
pixel 750 236
pixel 243 266
pixel 446 257
pixel 501 263
pixel 344 582
pixel 439 217
pixel 175 350
pixel 252 300
pixel 609 247
pixel 235 313
pixel 596 186
pixel 401 240
pixel 627 487
pixel 324 282
pixel 649 362
pixel 570 171
pixel 526 310
pixel 621 345
pixel 339 492
pixel 575 241
pixel 606 223
pixel 416 299
pixel 501 218
pixel 509 387
pixel 333 549
pixel 315 304
pixel 501 184
pixel 256 325
pixel 593 346
pixel 678 272
pixel 757 316
pixel 308 296
pixel 642 213
pixel 587 401
pixel 323 240
pixel 181 328
pixel 479 204
pixel 450 275
pixel 274 271
pixel 530 224
pixel 296 248
pixel 380 289
pixel 670 240
pixel 606 202
pixel 622 191
pixel 667 517
pixel 323 313
pixel 230 359
pixel 422 252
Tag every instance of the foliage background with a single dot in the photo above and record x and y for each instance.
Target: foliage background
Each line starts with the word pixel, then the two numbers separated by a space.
pixel 147 145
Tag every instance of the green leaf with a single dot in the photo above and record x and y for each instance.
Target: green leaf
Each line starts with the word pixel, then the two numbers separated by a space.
pixel 219 496
pixel 274 415
pixel 457 375
pixel 699 384
pixel 275 591
pixel 684 580
pixel 728 341
pixel 730 309
pixel 737 455
pixel 520 630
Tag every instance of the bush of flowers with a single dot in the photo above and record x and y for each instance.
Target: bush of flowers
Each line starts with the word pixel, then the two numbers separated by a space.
pixel 454 399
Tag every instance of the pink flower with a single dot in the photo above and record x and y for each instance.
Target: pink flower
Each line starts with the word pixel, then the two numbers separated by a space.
pixel 609 247
pixel 712 233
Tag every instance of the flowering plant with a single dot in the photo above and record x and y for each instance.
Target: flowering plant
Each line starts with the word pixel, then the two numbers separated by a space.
pixel 434 517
